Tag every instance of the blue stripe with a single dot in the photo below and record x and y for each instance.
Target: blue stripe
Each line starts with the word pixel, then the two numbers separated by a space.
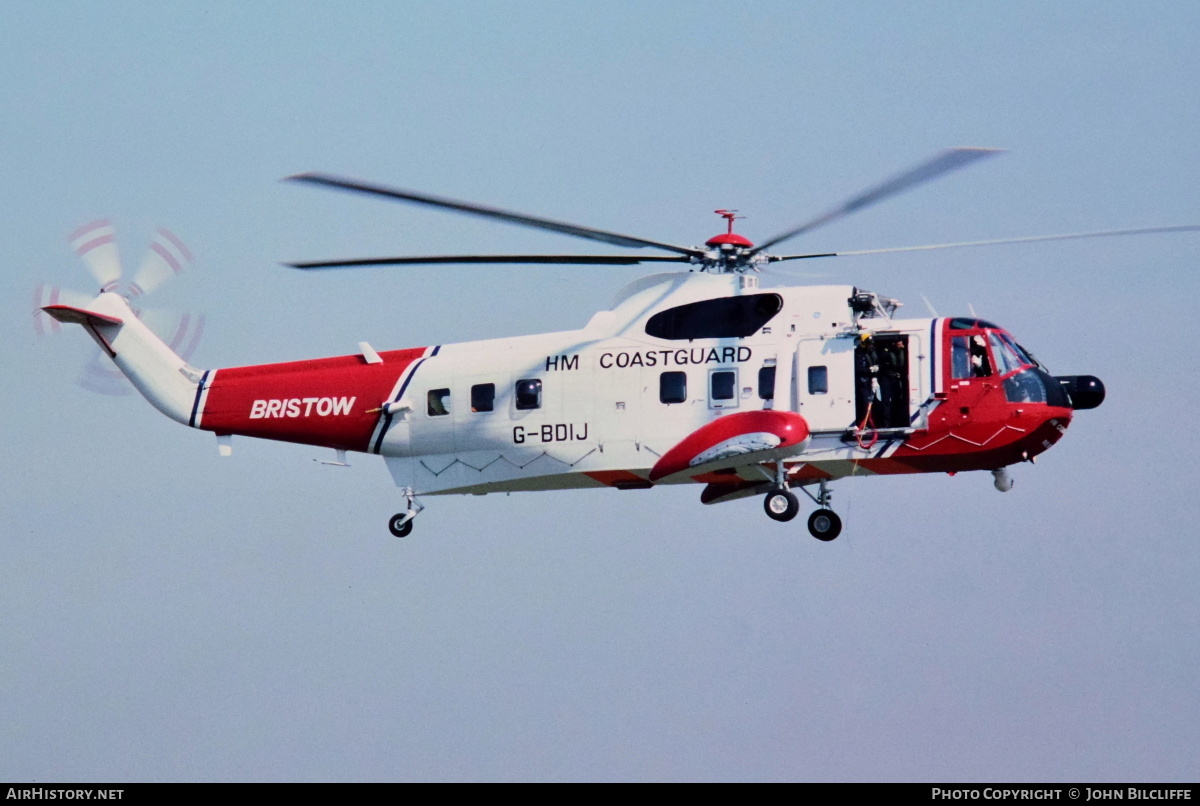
pixel 387 417
pixel 196 403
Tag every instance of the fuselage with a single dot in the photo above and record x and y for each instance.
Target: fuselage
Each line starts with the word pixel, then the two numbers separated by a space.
pixel 601 405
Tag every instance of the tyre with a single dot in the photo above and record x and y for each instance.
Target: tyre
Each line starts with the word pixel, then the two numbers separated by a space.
pixel 781 505
pixel 400 527
pixel 824 524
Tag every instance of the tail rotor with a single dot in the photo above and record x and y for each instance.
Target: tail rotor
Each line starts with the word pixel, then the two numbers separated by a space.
pixel 166 257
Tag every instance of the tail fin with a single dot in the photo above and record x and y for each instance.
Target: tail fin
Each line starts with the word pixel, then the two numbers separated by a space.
pixel 163 378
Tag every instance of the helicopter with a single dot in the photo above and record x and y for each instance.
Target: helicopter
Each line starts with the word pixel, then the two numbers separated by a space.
pixel 695 376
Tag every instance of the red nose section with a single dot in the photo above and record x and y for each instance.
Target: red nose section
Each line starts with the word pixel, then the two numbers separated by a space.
pixel 749 435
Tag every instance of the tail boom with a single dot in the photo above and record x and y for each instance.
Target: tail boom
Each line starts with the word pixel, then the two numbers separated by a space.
pixel 159 374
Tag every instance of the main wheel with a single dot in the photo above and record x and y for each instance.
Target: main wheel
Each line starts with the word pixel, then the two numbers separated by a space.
pixel 781 505
pixel 400 527
pixel 824 524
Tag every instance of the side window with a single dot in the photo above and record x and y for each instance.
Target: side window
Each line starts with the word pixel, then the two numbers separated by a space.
pixel 483 397
pixel 766 383
pixel 981 367
pixel 723 385
pixel 672 387
pixel 438 402
pixel 818 380
pixel 960 358
pixel 529 394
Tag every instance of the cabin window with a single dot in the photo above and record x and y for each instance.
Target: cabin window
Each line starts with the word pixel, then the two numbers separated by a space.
pixel 723 384
pixel 766 383
pixel 672 387
pixel 437 402
pixel 818 380
pixel 722 318
pixel 529 394
pixel 483 397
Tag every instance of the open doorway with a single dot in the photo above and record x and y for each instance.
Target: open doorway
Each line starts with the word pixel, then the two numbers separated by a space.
pixel 881 381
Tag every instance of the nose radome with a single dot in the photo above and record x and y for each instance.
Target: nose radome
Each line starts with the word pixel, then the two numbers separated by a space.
pixel 1085 391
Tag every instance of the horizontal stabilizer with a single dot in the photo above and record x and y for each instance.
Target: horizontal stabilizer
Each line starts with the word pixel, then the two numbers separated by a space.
pixel 80 316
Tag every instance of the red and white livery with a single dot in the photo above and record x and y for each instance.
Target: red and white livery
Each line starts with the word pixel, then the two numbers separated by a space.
pixel 693 377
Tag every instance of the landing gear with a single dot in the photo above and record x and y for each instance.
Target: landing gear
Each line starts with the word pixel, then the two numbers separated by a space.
pixel 401 524
pixel 781 505
pixel 824 524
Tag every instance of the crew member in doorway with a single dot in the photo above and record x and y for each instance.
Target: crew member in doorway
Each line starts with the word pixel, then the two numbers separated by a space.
pixel 866 378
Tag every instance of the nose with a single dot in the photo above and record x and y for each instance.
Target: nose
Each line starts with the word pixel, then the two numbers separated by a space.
pixel 1085 391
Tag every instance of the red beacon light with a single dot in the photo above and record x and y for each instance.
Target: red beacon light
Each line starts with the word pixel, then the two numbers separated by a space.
pixel 729 238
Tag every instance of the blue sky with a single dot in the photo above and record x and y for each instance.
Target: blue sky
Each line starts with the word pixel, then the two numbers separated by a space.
pixel 171 615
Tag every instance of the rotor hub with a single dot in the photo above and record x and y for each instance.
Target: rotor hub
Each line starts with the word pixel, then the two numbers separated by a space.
pixel 728 251
pixel 730 240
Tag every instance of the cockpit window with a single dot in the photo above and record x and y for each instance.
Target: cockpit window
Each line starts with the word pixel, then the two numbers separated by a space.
pixel 1025 355
pixel 722 318
pixel 962 323
pixel 1007 359
pixel 1025 387
pixel 969 357
pixel 960 358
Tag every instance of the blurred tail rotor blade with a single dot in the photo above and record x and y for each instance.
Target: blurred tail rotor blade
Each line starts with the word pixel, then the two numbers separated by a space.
pixel 166 257
pixel 100 375
pixel 96 244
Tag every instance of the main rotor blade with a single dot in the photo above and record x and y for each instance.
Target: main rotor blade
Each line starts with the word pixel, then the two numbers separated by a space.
pixel 593 260
pixel 1065 237
pixel 614 238
pixel 944 162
